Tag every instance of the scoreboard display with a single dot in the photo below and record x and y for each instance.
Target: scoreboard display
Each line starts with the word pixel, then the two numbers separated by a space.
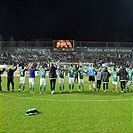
pixel 63 45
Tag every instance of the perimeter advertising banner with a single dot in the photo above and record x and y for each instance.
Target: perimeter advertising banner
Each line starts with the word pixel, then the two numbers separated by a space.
pixel 119 50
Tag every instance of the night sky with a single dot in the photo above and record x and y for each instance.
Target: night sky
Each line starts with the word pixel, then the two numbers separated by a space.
pixel 92 20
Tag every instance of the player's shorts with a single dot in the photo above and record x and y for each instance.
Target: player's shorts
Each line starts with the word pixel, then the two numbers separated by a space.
pixel 42 81
pixel 31 81
pixel 22 80
pixel 91 78
pixel 71 80
pixel 114 82
pixel 129 82
pixel 80 81
pixel 61 80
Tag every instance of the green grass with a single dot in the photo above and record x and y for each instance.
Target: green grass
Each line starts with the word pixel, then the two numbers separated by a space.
pixel 79 112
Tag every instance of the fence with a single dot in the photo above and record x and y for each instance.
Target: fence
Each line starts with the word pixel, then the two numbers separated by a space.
pixel 76 44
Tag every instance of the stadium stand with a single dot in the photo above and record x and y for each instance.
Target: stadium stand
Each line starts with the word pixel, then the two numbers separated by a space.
pixel 45 53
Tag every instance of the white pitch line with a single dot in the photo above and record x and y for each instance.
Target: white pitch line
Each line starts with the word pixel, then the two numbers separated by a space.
pixel 44 99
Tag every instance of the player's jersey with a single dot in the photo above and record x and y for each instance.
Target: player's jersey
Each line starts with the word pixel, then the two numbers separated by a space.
pixel 114 75
pixel 71 72
pixel 80 73
pixel 32 73
pixel 42 72
pixel 22 72
pixel 130 75
pixel 91 71
pixel 61 72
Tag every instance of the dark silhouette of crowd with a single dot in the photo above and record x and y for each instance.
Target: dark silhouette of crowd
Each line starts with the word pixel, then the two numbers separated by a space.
pixel 24 56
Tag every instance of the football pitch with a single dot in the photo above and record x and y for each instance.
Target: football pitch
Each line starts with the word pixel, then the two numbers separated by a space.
pixel 77 112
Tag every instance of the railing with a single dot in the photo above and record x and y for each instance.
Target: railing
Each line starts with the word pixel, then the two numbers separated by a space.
pixel 76 44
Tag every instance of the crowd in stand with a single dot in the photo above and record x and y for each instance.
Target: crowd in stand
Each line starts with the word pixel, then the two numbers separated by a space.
pixel 24 56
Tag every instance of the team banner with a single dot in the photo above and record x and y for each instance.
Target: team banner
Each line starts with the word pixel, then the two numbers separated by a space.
pixel 106 50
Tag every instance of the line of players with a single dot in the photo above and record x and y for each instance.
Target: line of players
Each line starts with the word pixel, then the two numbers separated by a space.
pixel 102 76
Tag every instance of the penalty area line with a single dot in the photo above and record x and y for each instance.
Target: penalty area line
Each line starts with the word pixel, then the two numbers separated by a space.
pixel 57 100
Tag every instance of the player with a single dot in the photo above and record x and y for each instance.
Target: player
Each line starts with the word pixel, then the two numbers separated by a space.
pixel 32 70
pixel 71 78
pixel 129 83
pixel 42 71
pixel 80 73
pixel 114 75
pixel 61 72
pixel 91 73
pixel 22 78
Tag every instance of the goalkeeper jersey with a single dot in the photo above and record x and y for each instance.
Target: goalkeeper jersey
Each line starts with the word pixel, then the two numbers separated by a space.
pixel 91 71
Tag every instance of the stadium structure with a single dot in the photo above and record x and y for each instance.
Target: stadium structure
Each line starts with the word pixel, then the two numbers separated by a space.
pixel 67 51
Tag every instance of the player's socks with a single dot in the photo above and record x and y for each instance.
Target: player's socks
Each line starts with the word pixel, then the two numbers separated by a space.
pixel 60 88
pixel 30 89
pixel 82 86
pixel 113 89
pixel 72 86
pixel 33 88
pixel 23 87
pixel 116 89
pixel 79 87
pixel 94 86
pixel 63 87
pixel 69 87
pixel 90 87
pixel 41 88
pixel 130 88
pixel 44 88
pixel 19 88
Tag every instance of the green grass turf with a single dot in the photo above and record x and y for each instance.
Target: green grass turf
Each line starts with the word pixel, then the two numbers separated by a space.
pixel 79 112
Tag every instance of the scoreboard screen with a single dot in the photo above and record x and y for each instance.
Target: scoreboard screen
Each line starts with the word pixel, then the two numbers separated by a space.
pixel 63 45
